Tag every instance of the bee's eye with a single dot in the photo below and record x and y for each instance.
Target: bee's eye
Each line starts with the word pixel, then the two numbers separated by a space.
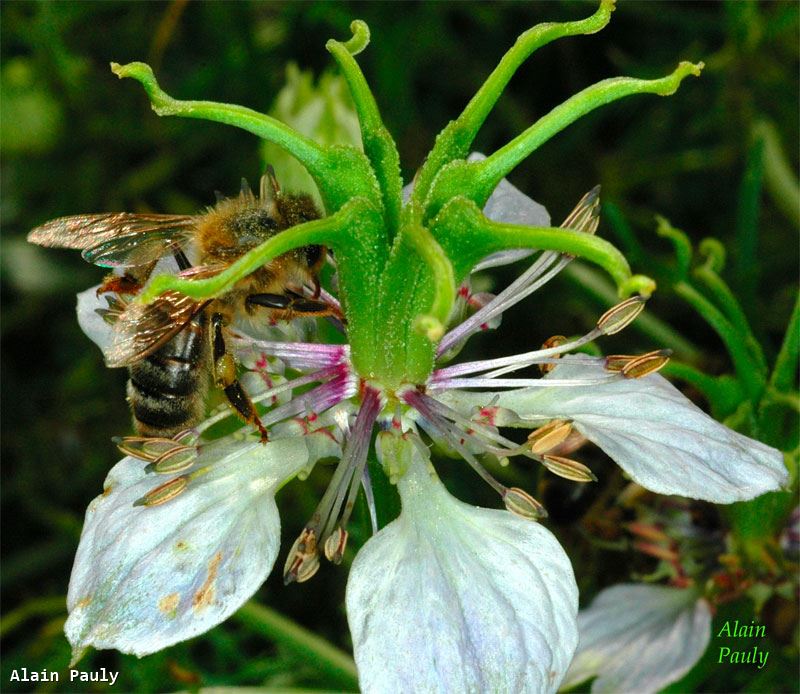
pixel 313 254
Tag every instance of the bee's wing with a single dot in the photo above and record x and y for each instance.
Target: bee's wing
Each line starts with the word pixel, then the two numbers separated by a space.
pixel 117 239
pixel 142 328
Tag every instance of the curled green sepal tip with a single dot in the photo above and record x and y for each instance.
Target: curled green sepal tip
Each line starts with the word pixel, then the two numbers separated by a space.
pixel 637 284
pixel 359 40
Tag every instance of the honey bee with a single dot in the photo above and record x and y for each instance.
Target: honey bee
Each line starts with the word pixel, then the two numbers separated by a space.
pixel 175 345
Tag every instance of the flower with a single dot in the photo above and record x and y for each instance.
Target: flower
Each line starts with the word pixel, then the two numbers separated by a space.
pixel 462 598
pixel 640 638
pixel 446 597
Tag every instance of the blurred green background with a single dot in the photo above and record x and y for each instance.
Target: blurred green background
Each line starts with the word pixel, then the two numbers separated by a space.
pixel 75 139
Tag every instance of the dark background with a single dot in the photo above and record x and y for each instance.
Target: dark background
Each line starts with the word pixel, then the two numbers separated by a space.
pixel 76 139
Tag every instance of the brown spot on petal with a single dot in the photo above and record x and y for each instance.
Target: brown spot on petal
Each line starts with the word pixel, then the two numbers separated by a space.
pixel 107 490
pixel 84 602
pixel 181 546
pixel 205 596
pixel 169 603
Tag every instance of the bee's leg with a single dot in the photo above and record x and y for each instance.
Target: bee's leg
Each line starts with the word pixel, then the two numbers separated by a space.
pixel 224 369
pixel 287 306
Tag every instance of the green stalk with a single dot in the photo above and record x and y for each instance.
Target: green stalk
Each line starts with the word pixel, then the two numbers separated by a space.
pixel 477 180
pixel 324 165
pixel 722 396
pixel 379 145
pixel 36 607
pixel 590 280
pixel 733 312
pixel 779 177
pixel 307 646
pixel 329 231
pixel 468 236
pixel 745 271
pixel 785 370
pixel 743 362
pixel 455 140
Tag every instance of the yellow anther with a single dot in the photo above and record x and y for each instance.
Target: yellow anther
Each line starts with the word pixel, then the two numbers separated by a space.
pixel 549 436
pixel 620 316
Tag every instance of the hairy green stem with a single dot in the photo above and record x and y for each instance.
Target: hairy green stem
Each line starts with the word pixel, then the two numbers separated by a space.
pixel 307 646
pixel 745 366
pixel 455 140
pixel 324 165
pixel 36 607
pixel 477 180
pixel 779 177
pixel 785 369
pixel 329 231
pixel 379 145
pixel 468 236
pixel 733 312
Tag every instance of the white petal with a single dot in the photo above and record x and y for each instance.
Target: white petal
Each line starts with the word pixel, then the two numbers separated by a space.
pixel 510 205
pixel 453 598
pixel 661 439
pixel 147 577
pixel 639 638
pixel 93 326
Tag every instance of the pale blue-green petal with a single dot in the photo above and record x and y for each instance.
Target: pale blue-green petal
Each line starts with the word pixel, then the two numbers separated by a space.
pixel 93 326
pixel 453 598
pixel 147 577
pixel 637 638
pixel 659 437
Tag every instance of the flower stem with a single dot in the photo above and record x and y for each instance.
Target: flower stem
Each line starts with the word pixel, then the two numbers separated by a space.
pixel 36 607
pixel 477 180
pixel 455 140
pixel 309 647
pixel 468 236
pixel 743 362
pixel 783 374
pixel 379 145
pixel 328 231
pixel 323 164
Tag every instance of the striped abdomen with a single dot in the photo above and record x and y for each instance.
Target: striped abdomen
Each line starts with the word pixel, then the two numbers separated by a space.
pixel 167 389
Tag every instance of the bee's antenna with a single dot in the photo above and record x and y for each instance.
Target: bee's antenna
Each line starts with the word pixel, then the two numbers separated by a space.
pixel 269 188
pixel 245 191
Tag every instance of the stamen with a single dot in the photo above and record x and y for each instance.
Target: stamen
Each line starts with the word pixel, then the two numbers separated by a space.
pixel 568 468
pixel 555 341
pixel 164 493
pixel 176 460
pixel 519 502
pixel 549 436
pixel 300 355
pixel 585 218
pixel 646 364
pixel 335 545
pixel 515 361
pixel 620 316
pixel 637 366
pixel 303 560
pixel 150 449
pixel 521 382
pixel 320 375
pixel 442 429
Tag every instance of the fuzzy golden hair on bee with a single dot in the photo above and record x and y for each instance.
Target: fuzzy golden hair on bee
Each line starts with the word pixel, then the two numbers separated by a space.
pixel 175 346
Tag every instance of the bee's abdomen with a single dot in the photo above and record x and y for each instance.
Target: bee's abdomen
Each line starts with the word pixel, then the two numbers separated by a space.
pixel 167 388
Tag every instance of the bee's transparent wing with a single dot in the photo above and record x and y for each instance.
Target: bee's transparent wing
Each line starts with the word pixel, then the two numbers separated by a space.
pixel 116 239
pixel 142 328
